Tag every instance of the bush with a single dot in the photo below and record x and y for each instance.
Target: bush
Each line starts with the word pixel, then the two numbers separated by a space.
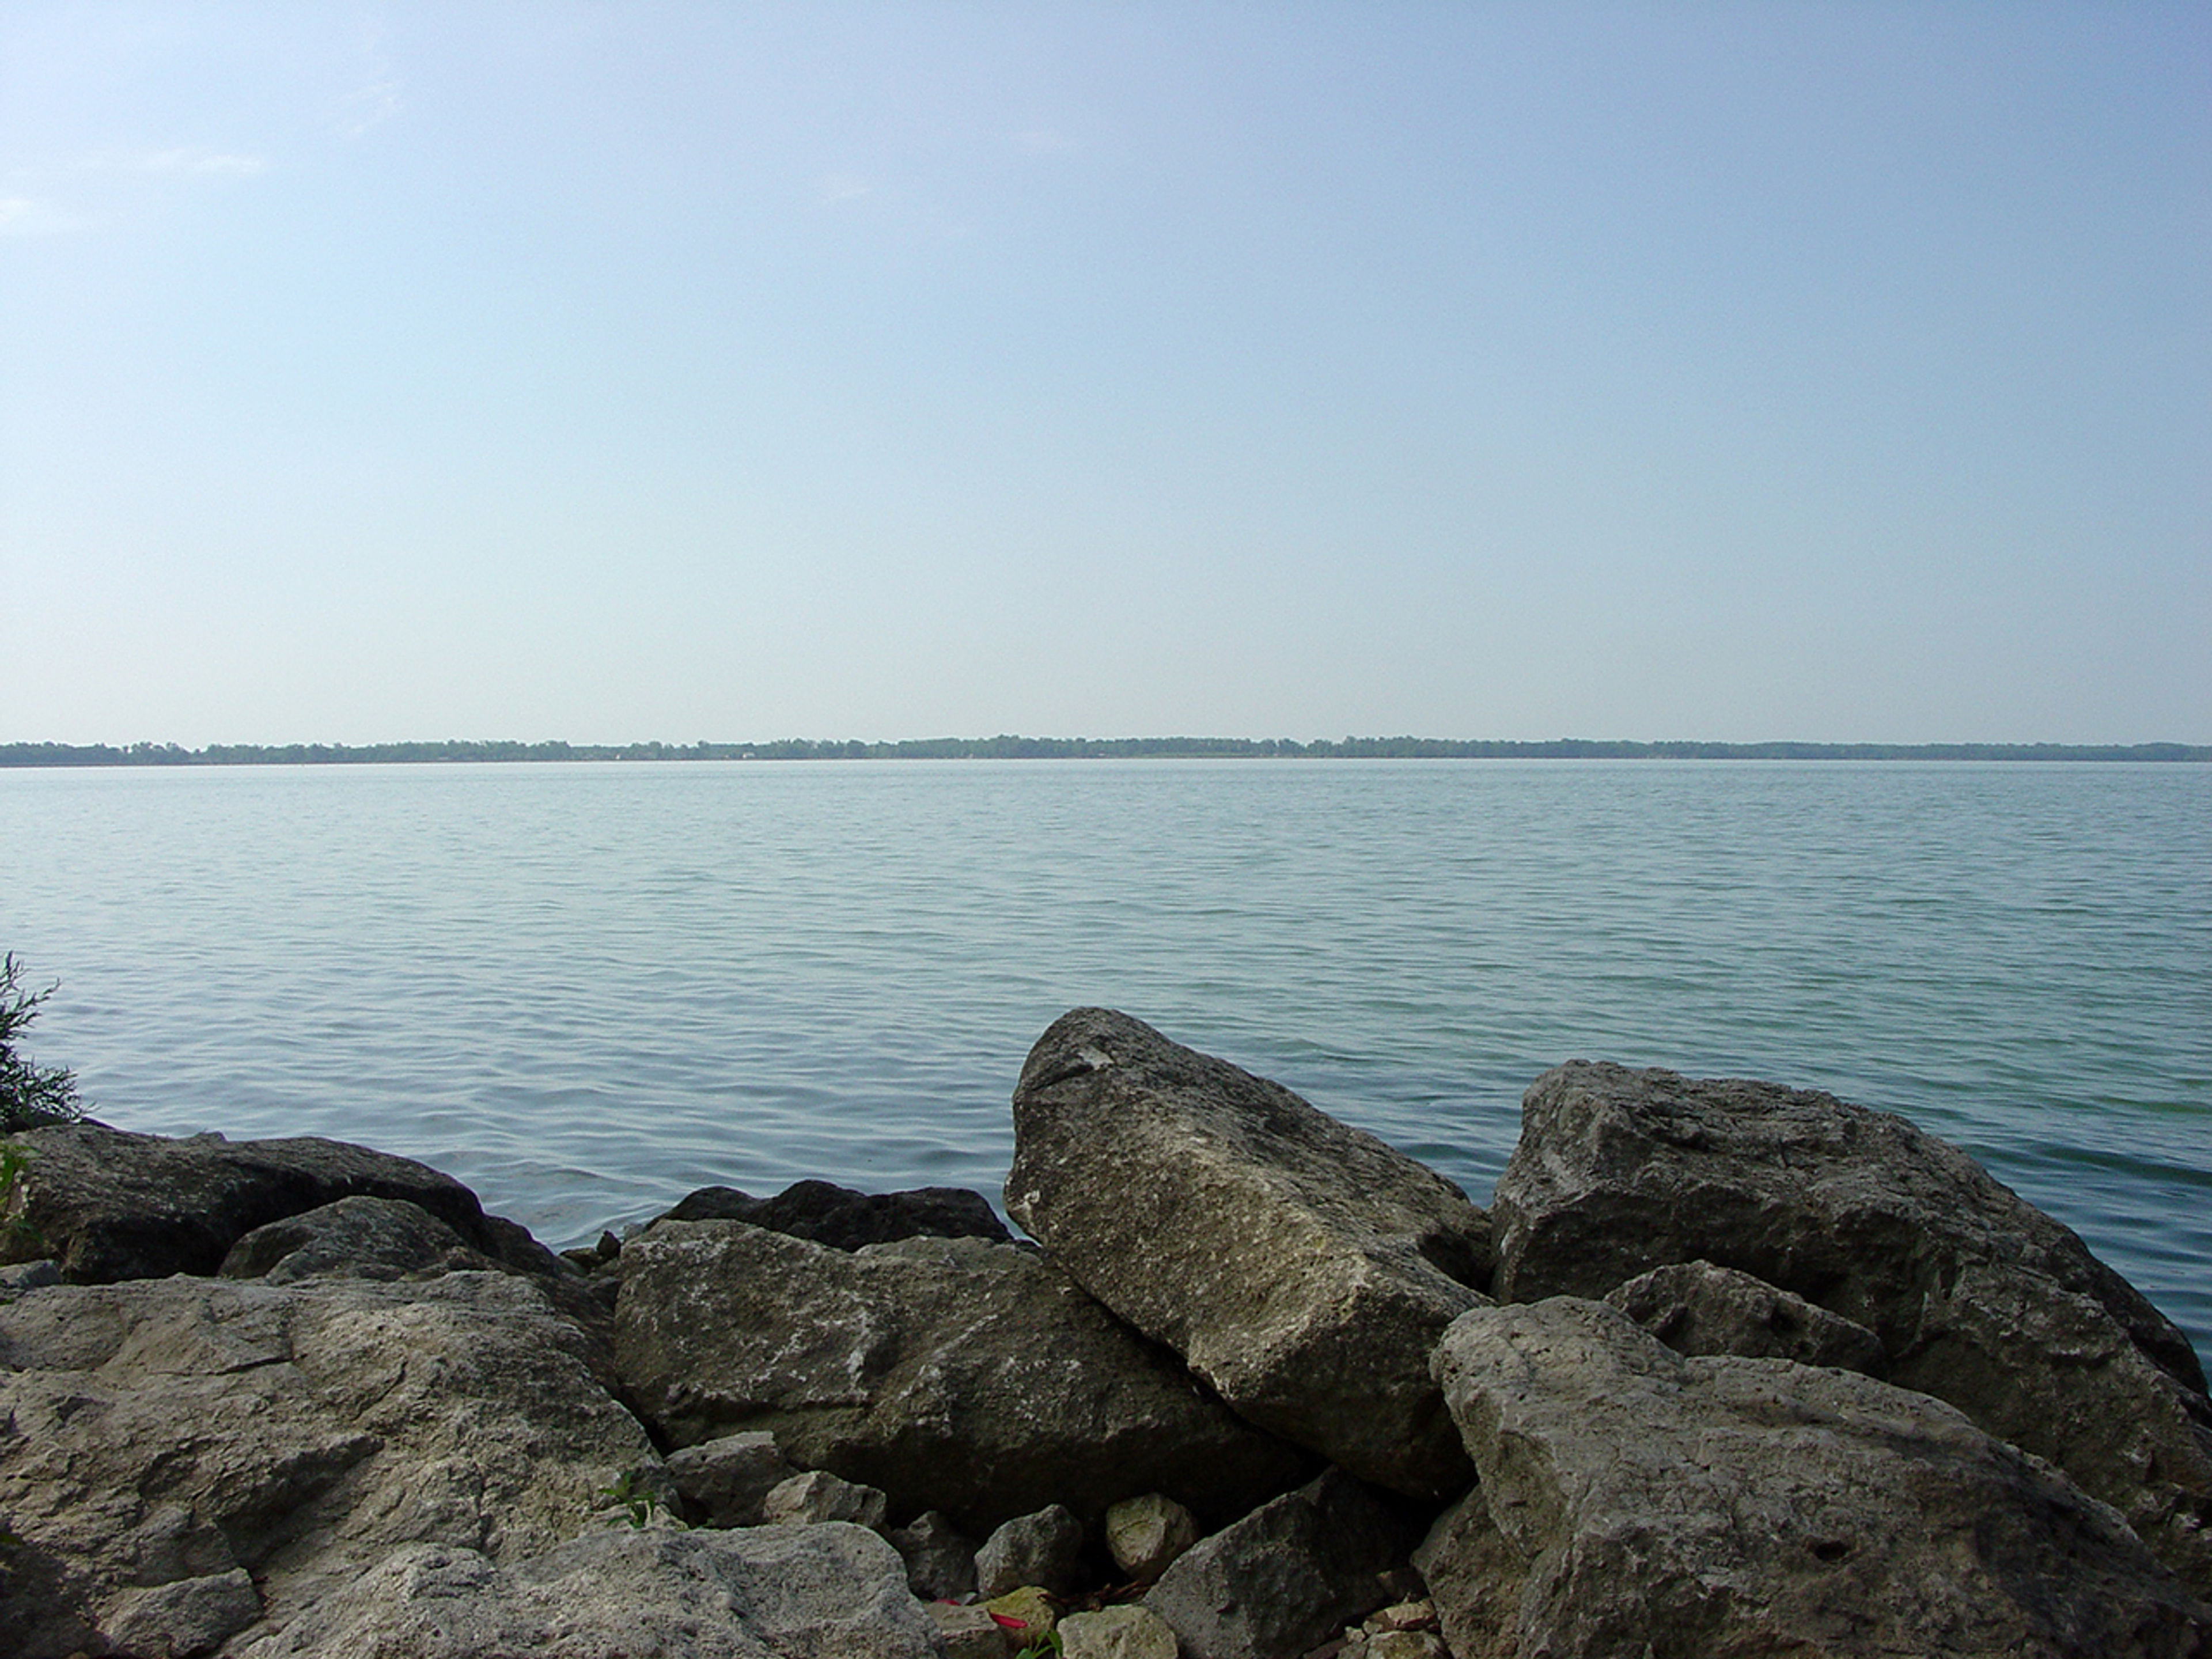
pixel 29 1095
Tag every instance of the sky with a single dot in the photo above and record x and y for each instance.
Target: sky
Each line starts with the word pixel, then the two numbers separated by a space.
pixel 619 372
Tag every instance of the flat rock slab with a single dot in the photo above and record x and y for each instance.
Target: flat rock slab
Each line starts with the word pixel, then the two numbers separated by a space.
pixel 825 1213
pixel 1301 1267
pixel 185 1453
pixel 1635 1503
pixel 832 1591
pixel 1979 1298
pixel 954 1374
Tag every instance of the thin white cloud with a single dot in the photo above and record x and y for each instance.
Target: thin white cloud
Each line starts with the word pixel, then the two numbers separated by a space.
pixel 366 106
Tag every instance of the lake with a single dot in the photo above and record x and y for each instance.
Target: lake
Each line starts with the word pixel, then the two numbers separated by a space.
pixel 585 989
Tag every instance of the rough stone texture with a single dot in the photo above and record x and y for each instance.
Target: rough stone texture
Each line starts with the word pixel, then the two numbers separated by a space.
pixel 1286 1576
pixel 1302 1268
pixel 826 1592
pixel 171 1432
pixel 966 1632
pixel 940 1560
pixel 1038 1549
pixel 1145 1535
pixel 184 1617
pixel 1653 1506
pixel 847 1220
pixel 1695 1307
pixel 1474 1579
pixel 723 1481
pixel 1031 1613
pixel 356 1237
pixel 819 1496
pixel 1120 1632
pixel 1979 1298
pixel 954 1374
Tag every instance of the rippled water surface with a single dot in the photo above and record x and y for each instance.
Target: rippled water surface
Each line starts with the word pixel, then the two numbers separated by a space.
pixel 586 989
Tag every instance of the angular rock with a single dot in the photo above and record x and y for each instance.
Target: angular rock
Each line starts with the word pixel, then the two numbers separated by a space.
pixel 1695 1307
pixel 847 1220
pixel 165 1435
pixel 1038 1549
pixel 356 1237
pixel 1025 1615
pixel 1287 1575
pixel 1300 1266
pixel 940 1560
pixel 1474 1579
pixel 1979 1298
pixel 826 1592
pixel 966 1632
pixel 1648 1505
pixel 1127 1632
pixel 817 1497
pixel 953 1374
pixel 723 1481
pixel 183 1616
pixel 1146 1535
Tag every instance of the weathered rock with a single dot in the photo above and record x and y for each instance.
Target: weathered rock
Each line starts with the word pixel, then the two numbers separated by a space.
pixel 163 1435
pixel 940 1560
pixel 1979 1298
pixel 723 1481
pixel 847 1220
pixel 1145 1535
pixel 1653 1506
pixel 966 1632
pixel 817 1496
pixel 1127 1632
pixel 1302 1268
pixel 954 1374
pixel 1038 1549
pixel 1025 1615
pixel 1286 1575
pixel 825 1592
pixel 1695 1307
pixel 1474 1579
pixel 355 1237
pixel 183 1616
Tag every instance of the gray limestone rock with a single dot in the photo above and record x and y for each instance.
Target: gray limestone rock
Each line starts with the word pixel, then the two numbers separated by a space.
pixel 1301 1267
pixel 1635 1503
pixel 1127 1632
pixel 966 1632
pixel 723 1481
pixel 1285 1576
pixel 825 1592
pixel 940 1560
pixel 824 1213
pixel 1038 1549
pixel 1979 1298
pixel 184 1617
pixel 1695 1307
pixel 953 1374
pixel 817 1497
pixel 358 1238
pixel 177 1432
pixel 1145 1535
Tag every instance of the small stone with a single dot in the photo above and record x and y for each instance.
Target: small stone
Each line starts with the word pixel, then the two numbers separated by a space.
pixel 727 1480
pixel 817 1496
pixel 1031 1611
pixel 1147 1534
pixel 940 1561
pixel 1404 1644
pixel 1128 1631
pixel 1403 1615
pixel 1031 1549
pixel 966 1632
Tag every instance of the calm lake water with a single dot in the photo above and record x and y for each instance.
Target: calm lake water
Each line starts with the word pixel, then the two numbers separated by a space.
pixel 586 989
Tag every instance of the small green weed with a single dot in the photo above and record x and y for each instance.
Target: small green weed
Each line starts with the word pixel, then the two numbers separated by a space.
pixel 30 1095
pixel 631 1493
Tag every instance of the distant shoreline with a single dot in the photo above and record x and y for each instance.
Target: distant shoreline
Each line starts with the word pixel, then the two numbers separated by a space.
pixel 1019 748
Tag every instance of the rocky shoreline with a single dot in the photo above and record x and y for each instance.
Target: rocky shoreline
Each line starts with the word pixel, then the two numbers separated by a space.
pixel 1725 1368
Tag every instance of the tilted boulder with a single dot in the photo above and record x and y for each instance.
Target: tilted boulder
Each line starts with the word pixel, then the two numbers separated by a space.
pixel 1301 1267
pixel 1635 1504
pixel 166 1436
pixel 954 1374
pixel 833 1591
pixel 1040 1549
pixel 1287 1575
pixel 1979 1298
pixel 356 1237
pixel 1695 1307
pixel 825 1213
pixel 724 1482
pixel 940 1560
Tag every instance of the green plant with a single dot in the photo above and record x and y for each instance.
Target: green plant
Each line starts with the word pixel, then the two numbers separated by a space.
pixel 630 1492
pixel 1046 1646
pixel 30 1095
pixel 19 1238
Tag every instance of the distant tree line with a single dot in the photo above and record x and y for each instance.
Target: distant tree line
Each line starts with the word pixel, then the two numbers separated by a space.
pixel 1017 747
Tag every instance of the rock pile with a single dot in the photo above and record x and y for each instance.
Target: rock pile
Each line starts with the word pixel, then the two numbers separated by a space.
pixel 1727 1368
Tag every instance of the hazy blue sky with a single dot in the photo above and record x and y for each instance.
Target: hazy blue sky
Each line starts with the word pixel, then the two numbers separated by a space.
pixel 626 371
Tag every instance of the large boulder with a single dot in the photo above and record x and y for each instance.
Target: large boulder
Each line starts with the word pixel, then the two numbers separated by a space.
pixel 826 1213
pixel 823 1592
pixel 956 1374
pixel 1979 1298
pixel 182 1454
pixel 354 1238
pixel 1301 1266
pixel 1697 1307
pixel 1640 1504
